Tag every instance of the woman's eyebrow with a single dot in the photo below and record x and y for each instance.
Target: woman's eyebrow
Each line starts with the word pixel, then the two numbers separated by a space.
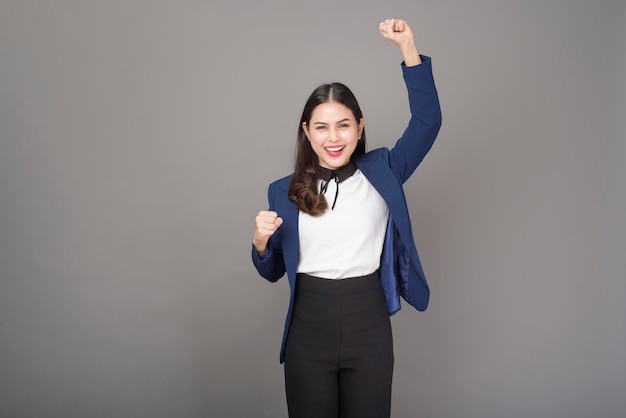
pixel 325 123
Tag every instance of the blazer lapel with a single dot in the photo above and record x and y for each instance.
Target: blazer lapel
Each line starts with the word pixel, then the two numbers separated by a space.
pixel 382 178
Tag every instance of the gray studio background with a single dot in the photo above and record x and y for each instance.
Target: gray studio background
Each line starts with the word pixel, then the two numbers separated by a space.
pixel 137 140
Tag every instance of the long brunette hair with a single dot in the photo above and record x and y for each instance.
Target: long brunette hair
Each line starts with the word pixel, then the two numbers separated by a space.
pixel 303 185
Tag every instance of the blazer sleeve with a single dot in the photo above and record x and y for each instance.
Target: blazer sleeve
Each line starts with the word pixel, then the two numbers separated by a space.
pixel 271 265
pixel 420 134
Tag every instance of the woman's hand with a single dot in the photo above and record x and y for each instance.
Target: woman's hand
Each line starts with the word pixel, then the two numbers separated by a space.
pixel 267 222
pixel 399 32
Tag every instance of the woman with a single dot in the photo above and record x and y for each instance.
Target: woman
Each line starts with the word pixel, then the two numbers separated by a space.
pixel 339 227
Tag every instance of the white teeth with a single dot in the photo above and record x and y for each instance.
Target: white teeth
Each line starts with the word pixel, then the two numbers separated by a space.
pixel 334 149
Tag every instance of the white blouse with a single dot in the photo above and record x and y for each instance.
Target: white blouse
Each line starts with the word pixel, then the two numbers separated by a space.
pixel 348 240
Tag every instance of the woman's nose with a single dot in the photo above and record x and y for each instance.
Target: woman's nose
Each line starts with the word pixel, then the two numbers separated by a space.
pixel 333 135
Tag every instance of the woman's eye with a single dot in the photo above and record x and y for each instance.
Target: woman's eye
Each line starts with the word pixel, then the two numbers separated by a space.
pixel 320 127
pixel 344 125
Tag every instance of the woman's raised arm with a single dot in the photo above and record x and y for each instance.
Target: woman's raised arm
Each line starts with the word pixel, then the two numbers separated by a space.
pixel 399 32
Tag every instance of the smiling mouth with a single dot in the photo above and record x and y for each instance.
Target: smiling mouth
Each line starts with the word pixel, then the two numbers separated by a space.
pixel 334 150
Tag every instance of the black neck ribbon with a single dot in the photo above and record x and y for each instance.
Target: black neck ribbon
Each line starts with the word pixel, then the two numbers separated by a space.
pixel 339 175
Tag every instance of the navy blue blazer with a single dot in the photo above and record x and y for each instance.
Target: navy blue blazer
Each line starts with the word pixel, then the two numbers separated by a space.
pixel 401 272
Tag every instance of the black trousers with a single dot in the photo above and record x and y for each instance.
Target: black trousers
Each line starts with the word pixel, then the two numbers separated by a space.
pixel 339 351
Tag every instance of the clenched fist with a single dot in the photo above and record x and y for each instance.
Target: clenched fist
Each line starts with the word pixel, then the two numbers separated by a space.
pixel 267 222
pixel 399 32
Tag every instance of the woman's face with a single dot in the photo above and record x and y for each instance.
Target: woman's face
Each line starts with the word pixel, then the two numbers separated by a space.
pixel 333 133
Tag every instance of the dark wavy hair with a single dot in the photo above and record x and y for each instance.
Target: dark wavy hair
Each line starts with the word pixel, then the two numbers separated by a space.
pixel 303 186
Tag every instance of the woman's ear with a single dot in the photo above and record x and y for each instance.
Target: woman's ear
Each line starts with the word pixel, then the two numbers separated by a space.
pixel 305 128
pixel 361 126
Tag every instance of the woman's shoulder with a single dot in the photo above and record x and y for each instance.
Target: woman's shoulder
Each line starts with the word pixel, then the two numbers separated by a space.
pixel 373 155
pixel 282 183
